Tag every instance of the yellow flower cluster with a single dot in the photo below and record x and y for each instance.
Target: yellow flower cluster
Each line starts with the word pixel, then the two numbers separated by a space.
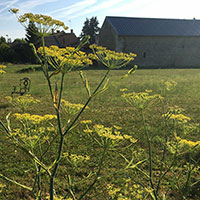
pixel 175 114
pixel 65 59
pixel 86 121
pixel 112 133
pixel 111 59
pixel 188 142
pixel 2 186
pixel 142 99
pixel 179 117
pixel 22 100
pixel 112 191
pixel 1 69
pixel 129 191
pixel 168 85
pixel 107 132
pixel 44 23
pixel 34 128
pixel 34 119
pixel 123 89
pixel 71 108
pixel 76 158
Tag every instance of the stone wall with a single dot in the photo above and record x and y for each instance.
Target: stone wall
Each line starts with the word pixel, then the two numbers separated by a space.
pixel 107 37
pixel 154 51
pixel 163 51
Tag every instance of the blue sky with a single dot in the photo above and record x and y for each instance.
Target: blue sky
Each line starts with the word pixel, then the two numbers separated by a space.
pixel 74 12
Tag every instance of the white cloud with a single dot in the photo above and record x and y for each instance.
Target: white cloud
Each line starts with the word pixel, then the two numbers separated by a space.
pixel 29 5
pixel 99 7
pixel 75 8
pixel 7 5
pixel 131 7
pixel 159 9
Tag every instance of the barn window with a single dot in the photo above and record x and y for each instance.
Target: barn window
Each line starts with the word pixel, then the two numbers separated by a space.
pixel 144 55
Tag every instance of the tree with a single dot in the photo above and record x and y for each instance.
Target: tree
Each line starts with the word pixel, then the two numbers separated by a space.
pixel 6 53
pixel 2 40
pixel 31 34
pixel 90 28
pixel 32 37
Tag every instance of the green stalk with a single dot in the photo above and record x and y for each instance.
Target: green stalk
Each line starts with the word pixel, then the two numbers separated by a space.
pixel 55 168
pixel 61 89
pixel 5 128
pixel 162 165
pixel 58 155
pixel 189 175
pixel 150 155
pixel 12 181
pixel 97 174
pixel 45 71
pixel 87 102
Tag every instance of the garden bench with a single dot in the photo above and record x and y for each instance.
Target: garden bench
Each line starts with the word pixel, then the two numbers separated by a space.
pixel 24 86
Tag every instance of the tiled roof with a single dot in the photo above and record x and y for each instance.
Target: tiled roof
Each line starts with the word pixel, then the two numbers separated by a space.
pixel 61 39
pixel 155 26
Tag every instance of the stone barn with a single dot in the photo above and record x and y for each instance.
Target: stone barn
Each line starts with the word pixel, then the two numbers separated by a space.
pixel 157 42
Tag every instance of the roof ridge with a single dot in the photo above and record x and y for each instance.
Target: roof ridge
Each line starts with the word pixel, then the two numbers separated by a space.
pixel 152 18
pixel 154 26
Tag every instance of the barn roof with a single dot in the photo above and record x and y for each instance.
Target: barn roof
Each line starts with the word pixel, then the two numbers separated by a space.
pixel 54 39
pixel 155 26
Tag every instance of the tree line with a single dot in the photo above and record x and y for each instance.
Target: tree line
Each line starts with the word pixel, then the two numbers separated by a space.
pixel 19 50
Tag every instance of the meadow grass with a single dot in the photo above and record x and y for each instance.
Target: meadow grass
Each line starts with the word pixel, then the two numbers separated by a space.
pixel 107 108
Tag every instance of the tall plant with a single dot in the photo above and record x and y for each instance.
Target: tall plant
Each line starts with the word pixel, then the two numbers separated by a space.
pixel 35 138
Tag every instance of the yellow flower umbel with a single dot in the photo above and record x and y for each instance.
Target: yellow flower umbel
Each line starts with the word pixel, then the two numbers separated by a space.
pixel 142 99
pixel 34 128
pixel 112 59
pixel 75 159
pixel 71 108
pixel 2 67
pixel 112 133
pixel 188 143
pixel 65 59
pixel 22 102
pixel 168 85
pixel 175 114
pixel 45 24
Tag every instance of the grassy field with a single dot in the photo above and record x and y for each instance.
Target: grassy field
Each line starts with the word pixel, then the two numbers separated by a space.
pixel 109 109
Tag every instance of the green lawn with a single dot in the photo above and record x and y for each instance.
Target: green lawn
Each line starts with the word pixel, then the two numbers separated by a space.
pixel 109 109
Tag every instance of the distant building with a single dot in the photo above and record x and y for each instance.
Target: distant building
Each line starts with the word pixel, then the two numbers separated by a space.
pixel 61 39
pixel 157 42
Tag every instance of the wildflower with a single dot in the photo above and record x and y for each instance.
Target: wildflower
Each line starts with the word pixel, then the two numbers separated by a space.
pixel 65 59
pixel 71 108
pixel 34 119
pixel 86 121
pixel 142 99
pixel 87 130
pixel 22 101
pixel 187 142
pixel 1 69
pixel 43 23
pixel 112 59
pixel 123 89
pixel 76 159
pixel 14 10
pixel 168 85
pixel 174 113
pixel 111 133
pixel 117 127
pixel 2 186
